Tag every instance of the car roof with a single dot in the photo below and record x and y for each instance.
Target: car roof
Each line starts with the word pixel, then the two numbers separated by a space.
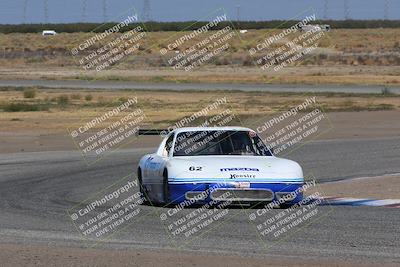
pixel 225 128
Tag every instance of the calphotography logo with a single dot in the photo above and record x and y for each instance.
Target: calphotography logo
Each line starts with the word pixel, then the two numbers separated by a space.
pixel 109 131
pixel 109 47
pixel 289 130
pixel 109 210
pixel 200 43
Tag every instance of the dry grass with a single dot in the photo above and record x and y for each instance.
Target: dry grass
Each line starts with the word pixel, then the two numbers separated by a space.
pixel 342 75
pixel 165 107
pixel 342 40
pixel 345 56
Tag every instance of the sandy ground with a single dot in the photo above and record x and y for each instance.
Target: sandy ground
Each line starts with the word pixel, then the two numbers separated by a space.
pixel 21 255
pixel 379 187
pixel 368 124
pixel 34 142
pixel 346 125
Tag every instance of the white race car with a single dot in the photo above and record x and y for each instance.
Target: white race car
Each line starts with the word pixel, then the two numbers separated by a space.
pixel 198 165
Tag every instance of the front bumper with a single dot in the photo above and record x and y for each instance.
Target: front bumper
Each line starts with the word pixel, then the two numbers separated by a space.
pixel 202 193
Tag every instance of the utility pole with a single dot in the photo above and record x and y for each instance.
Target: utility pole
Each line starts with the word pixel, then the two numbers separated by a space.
pixel 346 10
pixel 325 9
pixel 46 10
pixel 238 13
pixel 146 10
pixel 105 10
pixel 84 6
pixel 24 9
pixel 386 10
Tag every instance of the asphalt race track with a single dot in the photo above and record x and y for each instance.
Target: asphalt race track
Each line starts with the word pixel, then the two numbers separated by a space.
pixel 36 189
pixel 279 88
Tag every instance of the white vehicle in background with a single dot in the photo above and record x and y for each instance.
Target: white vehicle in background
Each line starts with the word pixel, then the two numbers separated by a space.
pixel 316 28
pixel 203 164
pixel 49 33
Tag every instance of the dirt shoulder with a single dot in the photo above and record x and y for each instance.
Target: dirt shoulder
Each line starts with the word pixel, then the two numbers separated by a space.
pixel 379 187
pixel 370 124
pixel 346 125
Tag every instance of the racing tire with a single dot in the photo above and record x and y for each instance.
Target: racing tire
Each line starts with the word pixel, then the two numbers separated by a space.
pixel 165 187
pixel 142 188
pixel 286 206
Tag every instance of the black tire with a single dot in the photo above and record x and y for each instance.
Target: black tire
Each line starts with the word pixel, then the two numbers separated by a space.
pixel 286 206
pixel 165 187
pixel 142 189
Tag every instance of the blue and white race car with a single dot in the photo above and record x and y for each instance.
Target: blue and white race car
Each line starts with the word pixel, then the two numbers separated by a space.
pixel 203 164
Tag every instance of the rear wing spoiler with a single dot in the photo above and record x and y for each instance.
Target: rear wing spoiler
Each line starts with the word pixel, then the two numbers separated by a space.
pixel 153 132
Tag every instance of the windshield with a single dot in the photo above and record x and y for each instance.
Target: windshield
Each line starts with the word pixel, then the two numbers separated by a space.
pixel 197 143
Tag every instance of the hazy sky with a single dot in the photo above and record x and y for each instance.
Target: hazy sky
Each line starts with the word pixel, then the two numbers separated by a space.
pixel 64 11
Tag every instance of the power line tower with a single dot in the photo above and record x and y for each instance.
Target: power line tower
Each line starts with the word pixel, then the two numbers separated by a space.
pixel 84 6
pixel 386 10
pixel 105 7
pixel 238 13
pixel 325 9
pixel 146 10
pixel 24 9
pixel 346 9
pixel 46 10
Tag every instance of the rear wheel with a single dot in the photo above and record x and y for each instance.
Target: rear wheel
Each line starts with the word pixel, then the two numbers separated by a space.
pixel 142 188
pixel 165 187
